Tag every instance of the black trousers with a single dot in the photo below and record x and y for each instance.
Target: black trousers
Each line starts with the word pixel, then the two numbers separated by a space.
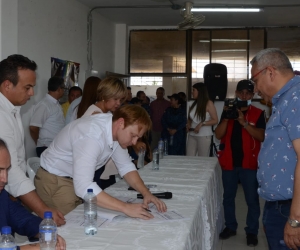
pixel 40 150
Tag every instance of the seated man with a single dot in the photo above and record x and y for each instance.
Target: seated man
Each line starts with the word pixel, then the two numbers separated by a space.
pixel 48 119
pixel 13 214
pixel 84 146
pixel 74 93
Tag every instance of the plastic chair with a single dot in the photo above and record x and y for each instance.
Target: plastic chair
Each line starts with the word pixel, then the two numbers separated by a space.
pixel 32 166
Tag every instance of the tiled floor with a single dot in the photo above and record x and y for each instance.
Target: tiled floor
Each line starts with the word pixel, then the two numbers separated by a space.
pixel 238 242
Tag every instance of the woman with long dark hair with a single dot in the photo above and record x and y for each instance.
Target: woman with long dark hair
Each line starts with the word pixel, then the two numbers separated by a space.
pixel 89 96
pixel 81 104
pixel 202 115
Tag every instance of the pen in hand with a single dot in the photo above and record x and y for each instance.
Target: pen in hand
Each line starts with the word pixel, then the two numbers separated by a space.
pixel 147 210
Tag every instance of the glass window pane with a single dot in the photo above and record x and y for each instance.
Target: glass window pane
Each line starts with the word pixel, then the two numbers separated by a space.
pixel 170 84
pixel 257 38
pixel 158 51
pixel 146 80
pixel 200 54
pixel 287 39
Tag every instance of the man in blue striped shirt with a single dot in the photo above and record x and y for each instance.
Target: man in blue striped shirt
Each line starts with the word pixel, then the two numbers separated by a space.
pixel 279 170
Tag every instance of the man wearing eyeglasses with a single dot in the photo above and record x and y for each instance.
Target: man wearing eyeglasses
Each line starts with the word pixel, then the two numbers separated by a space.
pixel 241 131
pixel 48 119
pixel 279 166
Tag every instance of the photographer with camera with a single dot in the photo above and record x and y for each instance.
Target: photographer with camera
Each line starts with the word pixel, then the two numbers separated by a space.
pixel 241 131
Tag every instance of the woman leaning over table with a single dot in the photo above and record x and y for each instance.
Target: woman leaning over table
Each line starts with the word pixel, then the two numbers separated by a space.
pixel 202 115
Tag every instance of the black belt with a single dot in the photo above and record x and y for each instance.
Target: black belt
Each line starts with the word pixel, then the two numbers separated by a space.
pixel 68 177
pixel 281 202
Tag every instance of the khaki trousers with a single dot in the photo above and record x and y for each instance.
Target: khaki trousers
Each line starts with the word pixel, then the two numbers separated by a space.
pixel 56 192
pixel 198 144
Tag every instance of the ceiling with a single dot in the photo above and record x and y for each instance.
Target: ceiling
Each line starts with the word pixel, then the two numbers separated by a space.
pixel 160 12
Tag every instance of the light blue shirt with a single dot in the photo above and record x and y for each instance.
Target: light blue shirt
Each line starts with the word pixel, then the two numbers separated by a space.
pixel 277 158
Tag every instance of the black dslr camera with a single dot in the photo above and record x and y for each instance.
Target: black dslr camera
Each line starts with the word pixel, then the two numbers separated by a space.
pixel 232 108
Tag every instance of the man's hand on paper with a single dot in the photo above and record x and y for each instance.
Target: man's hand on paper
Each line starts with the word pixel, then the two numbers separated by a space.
pixel 137 210
pixel 160 205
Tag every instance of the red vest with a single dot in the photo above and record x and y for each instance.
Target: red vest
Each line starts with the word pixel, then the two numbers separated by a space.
pixel 251 146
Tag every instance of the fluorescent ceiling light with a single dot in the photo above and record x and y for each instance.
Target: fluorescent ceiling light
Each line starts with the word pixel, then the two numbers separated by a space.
pixel 226 10
pixel 230 57
pixel 225 40
pixel 230 40
pixel 229 50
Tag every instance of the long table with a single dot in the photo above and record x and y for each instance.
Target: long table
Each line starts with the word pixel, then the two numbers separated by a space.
pixel 197 194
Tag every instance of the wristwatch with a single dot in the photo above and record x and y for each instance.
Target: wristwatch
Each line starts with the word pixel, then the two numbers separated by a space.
pixel 203 123
pixel 293 223
pixel 246 124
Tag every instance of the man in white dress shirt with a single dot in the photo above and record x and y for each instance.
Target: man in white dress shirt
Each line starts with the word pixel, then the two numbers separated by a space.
pixel 85 145
pixel 48 119
pixel 17 80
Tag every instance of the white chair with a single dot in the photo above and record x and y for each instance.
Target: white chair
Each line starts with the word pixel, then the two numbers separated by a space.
pixel 32 166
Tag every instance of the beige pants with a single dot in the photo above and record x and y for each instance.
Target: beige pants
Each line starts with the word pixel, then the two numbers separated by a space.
pixel 56 192
pixel 198 144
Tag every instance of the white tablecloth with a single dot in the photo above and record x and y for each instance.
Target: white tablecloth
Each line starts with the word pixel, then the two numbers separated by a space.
pixel 197 194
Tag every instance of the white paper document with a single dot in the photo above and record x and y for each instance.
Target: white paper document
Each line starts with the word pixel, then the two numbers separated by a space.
pixel 169 215
pixel 106 216
pixel 75 220
pixel 158 217
pixel 130 200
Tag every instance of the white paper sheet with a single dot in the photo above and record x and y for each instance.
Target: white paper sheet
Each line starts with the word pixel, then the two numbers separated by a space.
pixel 158 217
pixel 73 220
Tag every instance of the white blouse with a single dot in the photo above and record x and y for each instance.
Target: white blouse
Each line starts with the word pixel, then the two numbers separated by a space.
pixel 204 130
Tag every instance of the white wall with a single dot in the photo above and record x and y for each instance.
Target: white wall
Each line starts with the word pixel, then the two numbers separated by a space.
pixel 8 27
pixel 41 29
pixel 121 49
pixel 59 29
